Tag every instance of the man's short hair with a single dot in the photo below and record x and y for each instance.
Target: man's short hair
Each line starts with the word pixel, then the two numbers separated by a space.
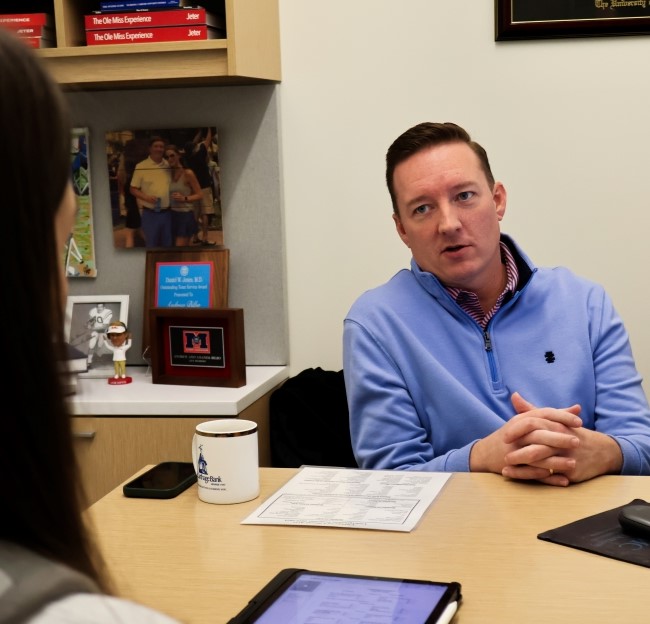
pixel 423 136
pixel 154 139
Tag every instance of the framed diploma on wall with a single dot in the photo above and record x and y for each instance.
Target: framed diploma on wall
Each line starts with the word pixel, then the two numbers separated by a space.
pixel 198 347
pixel 548 19
pixel 186 278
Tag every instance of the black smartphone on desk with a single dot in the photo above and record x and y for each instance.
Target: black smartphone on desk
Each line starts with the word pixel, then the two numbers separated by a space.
pixel 298 596
pixel 165 480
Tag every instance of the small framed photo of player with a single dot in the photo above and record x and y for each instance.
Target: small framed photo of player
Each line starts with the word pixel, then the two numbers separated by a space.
pixel 198 346
pixel 87 318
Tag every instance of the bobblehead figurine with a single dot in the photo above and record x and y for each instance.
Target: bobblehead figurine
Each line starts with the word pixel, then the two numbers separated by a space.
pixel 119 342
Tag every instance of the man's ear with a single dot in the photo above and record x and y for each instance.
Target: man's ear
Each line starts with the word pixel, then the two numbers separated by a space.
pixel 400 230
pixel 500 197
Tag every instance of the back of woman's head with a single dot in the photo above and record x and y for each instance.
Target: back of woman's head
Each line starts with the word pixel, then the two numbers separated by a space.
pixel 38 478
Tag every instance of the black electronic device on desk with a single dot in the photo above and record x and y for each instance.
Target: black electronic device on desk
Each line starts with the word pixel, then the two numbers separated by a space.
pixel 296 595
pixel 635 520
pixel 165 480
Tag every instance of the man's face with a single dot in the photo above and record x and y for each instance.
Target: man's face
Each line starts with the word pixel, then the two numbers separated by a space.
pixel 449 216
pixel 156 151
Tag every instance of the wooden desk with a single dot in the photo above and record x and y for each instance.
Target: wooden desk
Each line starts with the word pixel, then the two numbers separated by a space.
pixel 196 562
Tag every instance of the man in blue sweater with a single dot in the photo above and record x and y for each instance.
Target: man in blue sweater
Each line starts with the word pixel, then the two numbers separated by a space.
pixel 475 359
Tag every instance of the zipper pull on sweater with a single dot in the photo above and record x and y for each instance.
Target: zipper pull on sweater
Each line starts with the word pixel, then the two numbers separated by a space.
pixel 487 341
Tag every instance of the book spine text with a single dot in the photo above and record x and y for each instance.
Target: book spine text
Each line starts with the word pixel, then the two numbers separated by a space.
pixel 146 19
pixel 26 19
pixel 151 35
pixel 129 5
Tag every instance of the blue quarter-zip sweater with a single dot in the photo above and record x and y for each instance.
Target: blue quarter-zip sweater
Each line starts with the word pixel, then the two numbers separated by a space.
pixel 425 382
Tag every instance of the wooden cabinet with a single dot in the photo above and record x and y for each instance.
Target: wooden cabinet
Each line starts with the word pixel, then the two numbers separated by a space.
pixel 111 449
pixel 250 53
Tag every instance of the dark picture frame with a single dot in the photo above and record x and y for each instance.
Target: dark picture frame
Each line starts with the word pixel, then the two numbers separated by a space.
pixel 552 19
pixel 192 264
pixel 198 347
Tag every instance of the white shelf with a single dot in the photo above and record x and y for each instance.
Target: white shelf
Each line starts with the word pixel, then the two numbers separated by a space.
pixel 96 397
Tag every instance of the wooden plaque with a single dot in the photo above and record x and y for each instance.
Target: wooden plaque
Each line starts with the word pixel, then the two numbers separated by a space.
pixel 184 278
pixel 198 347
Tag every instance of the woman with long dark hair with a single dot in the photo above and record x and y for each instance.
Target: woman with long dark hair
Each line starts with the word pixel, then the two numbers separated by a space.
pixel 50 570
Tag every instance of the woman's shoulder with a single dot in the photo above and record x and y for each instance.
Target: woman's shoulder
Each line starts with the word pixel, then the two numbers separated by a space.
pixel 98 609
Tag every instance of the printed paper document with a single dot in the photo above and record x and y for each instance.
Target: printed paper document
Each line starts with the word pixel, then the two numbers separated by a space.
pixel 387 500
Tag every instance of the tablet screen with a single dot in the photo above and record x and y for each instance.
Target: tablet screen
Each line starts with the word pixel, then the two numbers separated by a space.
pixel 322 597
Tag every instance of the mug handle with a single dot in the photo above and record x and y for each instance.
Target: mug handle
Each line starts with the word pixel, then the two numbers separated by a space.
pixel 194 459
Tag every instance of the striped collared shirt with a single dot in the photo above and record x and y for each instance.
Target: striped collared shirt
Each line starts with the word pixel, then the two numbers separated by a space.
pixel 469 302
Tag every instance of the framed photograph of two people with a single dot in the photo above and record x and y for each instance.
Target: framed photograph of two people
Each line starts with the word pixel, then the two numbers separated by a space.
pixel 137 163
pixel 549 19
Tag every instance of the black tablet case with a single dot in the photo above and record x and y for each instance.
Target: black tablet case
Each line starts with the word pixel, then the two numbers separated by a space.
pixel 264 594
pixel 602 534
pixel 277 581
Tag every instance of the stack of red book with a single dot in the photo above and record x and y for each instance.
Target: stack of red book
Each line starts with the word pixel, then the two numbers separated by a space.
pixel 36 29
pixel 153 26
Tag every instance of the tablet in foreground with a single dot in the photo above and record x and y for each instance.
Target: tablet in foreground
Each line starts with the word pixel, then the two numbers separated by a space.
pixel 301 596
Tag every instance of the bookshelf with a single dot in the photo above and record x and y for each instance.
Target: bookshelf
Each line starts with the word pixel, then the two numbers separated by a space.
pixel 250 53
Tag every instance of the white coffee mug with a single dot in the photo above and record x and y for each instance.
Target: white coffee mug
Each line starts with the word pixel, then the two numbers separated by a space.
pixel 226 460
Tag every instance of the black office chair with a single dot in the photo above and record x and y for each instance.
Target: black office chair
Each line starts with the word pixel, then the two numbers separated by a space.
pixel 309 421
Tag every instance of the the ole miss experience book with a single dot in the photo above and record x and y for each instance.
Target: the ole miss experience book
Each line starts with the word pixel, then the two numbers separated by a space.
pixel 153 35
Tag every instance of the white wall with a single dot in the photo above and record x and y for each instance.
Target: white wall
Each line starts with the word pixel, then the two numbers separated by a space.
pixel 566 124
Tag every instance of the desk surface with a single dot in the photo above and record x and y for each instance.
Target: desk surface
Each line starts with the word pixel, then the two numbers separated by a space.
pixel 144 398
pixel 196 561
